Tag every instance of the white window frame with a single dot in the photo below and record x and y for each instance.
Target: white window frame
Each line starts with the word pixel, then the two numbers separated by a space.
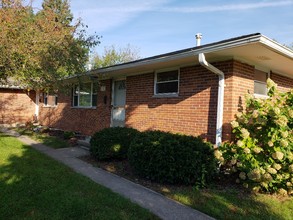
pixel 78 95
pixel 169 94
pixel 45 96
pixel 258 95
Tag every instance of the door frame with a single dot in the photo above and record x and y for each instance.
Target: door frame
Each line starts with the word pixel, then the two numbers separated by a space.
pixel 113 96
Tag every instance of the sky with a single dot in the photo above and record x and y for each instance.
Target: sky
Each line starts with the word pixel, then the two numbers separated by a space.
pixel 159 26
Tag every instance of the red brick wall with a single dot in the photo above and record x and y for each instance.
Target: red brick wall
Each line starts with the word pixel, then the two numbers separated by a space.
pixel 239 80
pixel 284 83
pixel 16 106
pixel 192 112
pixel 86 121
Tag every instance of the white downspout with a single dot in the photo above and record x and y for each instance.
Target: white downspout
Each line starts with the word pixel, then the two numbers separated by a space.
pixel 220 106
pixel 37 108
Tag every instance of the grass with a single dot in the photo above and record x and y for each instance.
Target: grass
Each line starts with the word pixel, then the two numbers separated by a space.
pixel 221 201
pixel 233 204
pixel 33 186
pixel 44 138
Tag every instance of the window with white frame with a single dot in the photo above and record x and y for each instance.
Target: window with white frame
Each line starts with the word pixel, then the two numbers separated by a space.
pixel 167 82
pixel 260 82
pixel 50 100
pixel 85 95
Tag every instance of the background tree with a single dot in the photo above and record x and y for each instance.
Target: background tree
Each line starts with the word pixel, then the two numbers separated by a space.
pixel 114 56
pixel 39 49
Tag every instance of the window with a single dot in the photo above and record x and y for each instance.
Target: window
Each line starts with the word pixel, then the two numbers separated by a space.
pixel 167 82
pixel 85 95
pixel 260 82
pixel 50 100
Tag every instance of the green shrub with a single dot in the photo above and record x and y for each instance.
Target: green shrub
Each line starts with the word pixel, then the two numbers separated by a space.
pixel 112 143
pixel 68 134
pixel 262 153
pixel 172 158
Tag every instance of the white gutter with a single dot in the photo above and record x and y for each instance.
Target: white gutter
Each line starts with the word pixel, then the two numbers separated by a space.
pixel 220 105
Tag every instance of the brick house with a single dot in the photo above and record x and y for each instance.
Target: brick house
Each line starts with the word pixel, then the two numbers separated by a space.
pixel 17 105
pixel 194 91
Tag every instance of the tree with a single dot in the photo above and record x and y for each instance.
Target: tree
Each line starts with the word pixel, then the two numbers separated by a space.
pixel 113 56
pixel 39 49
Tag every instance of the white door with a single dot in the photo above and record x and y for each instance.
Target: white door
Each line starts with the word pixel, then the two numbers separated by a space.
pixel 119 100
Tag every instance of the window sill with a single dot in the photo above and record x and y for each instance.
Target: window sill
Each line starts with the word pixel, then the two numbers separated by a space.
pixel 83 107
pixel 49 106
pixel 260 96
pixel 165 95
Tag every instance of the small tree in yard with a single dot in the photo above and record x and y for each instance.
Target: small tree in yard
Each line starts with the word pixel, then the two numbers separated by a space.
pixel 114 56
pixel 262 153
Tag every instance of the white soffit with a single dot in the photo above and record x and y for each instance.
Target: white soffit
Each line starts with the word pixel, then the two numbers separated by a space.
pixel 258 54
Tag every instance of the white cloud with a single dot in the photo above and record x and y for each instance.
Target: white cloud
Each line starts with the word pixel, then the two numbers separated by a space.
pixel 229 7
pixel 104 15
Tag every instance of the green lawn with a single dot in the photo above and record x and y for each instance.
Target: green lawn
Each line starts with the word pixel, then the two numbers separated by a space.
pixel 33 186
pixel 223 200
pixel 230 204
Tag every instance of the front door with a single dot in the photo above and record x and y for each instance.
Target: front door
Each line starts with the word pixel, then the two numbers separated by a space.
pixel 119 100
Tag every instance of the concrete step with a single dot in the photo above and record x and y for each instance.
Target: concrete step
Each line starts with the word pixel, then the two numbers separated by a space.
pixel 84 144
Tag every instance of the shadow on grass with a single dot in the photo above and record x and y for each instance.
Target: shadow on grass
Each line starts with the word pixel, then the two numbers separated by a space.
pixel 33 186
pixel 52 141
pixel 220 201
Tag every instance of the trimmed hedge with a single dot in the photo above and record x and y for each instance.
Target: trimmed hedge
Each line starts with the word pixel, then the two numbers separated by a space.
pixel 112 143
pixel 172 158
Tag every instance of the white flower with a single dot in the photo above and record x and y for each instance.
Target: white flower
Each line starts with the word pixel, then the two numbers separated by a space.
pixel 284 134
pixel 264 184
pixel 245 133
pixel 233 161
pixel 234 124
pixel 257 150
pixel 282 121
pixel 222 160
pixel 277 166
pixel 271 170
pixel 277 111
pixel 217 154
pixel 284 143
pixel 242 175
pixel 267 177
pixel 271 144
pixel 255 114
pixel 240 143
pixel 254 175
pixel 282 192
pixel 246 150
pixel 278 155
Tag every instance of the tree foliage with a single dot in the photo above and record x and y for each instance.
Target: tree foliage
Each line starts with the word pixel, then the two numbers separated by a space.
pixel 113 56
pixel 39 48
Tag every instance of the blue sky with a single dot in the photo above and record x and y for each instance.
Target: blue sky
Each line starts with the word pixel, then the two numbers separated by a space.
pixel 160 26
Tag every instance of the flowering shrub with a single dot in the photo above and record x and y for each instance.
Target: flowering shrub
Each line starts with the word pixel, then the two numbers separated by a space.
pixel 262 153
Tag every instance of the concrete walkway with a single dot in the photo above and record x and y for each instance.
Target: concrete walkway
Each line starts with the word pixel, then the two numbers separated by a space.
pixel 158 204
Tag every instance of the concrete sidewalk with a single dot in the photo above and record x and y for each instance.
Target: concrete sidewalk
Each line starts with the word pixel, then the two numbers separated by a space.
pixel 158 204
